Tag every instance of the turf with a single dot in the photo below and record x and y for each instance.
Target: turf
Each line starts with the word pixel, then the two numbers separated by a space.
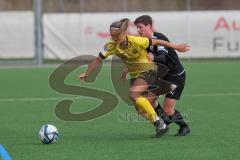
pixel 210 103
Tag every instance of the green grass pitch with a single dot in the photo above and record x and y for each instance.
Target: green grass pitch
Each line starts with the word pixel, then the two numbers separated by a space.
pixel 210 103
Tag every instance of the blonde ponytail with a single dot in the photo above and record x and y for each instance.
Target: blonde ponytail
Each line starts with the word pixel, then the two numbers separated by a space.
pixel 119 27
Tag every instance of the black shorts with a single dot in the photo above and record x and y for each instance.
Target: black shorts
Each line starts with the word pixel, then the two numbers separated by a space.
pixel 149 76
pixel 155 85
pixel 177 80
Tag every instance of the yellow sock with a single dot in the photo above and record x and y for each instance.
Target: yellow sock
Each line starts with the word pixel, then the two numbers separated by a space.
pixel 145 105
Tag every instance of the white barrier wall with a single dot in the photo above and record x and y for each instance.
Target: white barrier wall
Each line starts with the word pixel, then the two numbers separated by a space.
pixel 16 35
pixel 210 33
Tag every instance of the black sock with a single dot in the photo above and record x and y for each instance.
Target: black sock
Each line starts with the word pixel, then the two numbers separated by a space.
pixel 178 119
pixel 158 110
pixel 167 119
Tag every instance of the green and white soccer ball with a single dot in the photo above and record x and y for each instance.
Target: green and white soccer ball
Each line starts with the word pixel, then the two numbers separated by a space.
pixel 48 134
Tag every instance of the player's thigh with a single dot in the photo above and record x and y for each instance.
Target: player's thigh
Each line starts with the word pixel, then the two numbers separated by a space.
pixel 138 87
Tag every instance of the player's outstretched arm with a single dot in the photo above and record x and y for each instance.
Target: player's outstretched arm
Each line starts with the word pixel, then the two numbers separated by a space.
pixel 179 47
pixel 91 67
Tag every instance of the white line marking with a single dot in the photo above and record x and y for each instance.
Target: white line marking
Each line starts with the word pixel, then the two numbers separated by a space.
pixel 78 98
pixel 212 94
pixel 37 99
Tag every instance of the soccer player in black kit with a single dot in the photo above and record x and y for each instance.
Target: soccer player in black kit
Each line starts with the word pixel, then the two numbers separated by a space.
pixel 176 74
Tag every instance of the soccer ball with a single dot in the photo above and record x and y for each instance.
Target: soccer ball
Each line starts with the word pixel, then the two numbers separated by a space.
pixel 48 134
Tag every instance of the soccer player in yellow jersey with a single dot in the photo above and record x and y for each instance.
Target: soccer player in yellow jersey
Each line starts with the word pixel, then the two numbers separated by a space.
pixel 143 72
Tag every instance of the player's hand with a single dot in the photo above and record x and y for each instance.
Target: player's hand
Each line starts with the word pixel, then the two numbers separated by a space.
pixel 150 56
pixel 82 76
pixel 182 47
pixel 124 74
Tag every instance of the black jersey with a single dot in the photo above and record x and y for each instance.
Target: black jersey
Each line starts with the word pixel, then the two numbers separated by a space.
pixel 166 56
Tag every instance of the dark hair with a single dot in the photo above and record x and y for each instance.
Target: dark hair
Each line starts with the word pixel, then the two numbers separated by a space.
pixel 144 19
pixel 118 27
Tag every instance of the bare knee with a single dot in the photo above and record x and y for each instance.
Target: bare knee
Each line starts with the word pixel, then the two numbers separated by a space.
pixel 168 111
pixel 152 98
pixel 133 96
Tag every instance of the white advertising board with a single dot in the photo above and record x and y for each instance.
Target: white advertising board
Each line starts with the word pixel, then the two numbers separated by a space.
pixel 66 35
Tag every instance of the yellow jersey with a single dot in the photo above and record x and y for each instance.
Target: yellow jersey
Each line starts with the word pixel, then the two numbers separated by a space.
pixel 134 55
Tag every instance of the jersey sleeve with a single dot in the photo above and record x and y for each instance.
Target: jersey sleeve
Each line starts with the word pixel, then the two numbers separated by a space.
pixel 143 42
pixel 107 51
